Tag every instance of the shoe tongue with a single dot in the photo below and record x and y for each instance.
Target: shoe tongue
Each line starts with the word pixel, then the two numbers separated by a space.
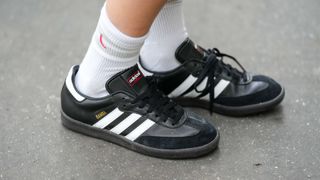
pixel 131 81
pixel 188 51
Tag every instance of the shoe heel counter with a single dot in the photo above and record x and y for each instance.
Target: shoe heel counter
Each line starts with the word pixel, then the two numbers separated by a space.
pixel 66 99
pixel 75 109
pixel 70 97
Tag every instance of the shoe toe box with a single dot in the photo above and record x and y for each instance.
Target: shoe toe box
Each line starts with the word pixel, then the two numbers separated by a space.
pixel 272 91
pixel 261 89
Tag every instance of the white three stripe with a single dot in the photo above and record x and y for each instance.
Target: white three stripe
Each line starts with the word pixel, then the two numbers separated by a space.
pixel 200 87
pixel 140 130
pixel 105 121
pixel 218 89
pixel 183 86
pixel 125 123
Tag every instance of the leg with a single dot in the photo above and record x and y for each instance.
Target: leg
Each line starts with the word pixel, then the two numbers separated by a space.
pixel 166 34
pixel 207 82
pixel 142 12
pixel 116 42
pixel 123 107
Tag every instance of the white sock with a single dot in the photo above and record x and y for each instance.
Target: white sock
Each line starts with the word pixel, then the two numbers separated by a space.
pixel 167 32
pixel 110 52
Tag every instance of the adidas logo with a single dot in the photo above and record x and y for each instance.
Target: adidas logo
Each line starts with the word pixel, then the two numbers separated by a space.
pixel 132 80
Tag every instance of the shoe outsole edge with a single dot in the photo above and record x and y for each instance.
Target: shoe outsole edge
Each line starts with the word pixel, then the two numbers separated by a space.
pixel 106 135
pixel 236 111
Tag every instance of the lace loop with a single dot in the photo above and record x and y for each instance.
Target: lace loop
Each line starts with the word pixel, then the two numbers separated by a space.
pixel 213 65
pixel 160 104
pixel 233 71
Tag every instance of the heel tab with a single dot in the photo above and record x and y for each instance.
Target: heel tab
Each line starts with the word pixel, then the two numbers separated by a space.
pixel 70 83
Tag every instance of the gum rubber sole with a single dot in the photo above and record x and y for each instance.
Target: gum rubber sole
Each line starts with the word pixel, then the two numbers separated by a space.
pixel 106 135
pixel 233 110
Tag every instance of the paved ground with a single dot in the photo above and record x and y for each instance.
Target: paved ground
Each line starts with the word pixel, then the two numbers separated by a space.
pixel 40 40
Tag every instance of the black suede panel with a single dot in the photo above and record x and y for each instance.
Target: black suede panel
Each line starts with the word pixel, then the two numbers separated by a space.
pixel 206 134
pixel 178 142
pixel 273 90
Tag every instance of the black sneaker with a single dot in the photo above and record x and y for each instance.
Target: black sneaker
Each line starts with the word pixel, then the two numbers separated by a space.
pixel 204 80
pixel 138 116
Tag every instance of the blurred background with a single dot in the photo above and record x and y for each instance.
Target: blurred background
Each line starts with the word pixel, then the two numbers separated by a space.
pixel 40 40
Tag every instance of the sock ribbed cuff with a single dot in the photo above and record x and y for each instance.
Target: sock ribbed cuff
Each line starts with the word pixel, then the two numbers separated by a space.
pixel 167 32
pixel 107 28
pixel 169 23
pixel 111 43
pixel 110 52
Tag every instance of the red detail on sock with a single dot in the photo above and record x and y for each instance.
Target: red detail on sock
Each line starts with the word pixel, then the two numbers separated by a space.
pixel 134 79
pixel 101 42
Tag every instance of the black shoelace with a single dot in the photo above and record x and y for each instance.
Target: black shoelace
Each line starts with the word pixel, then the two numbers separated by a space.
pixel 213 65
pixel 159 103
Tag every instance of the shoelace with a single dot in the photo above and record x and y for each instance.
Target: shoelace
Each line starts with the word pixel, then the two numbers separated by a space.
pixel 159 103
pixel 213 65
pixel 234 72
